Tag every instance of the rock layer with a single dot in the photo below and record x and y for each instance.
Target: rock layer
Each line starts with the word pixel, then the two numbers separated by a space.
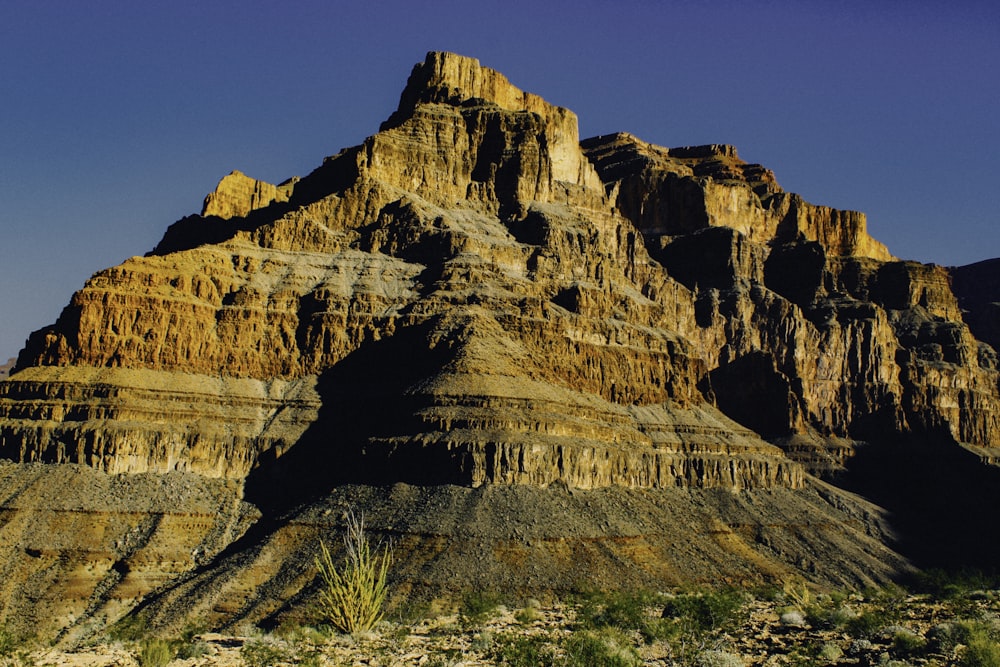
pixel 474 304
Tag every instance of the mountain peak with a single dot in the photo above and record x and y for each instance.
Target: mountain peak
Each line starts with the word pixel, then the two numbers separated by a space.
pixel 449 78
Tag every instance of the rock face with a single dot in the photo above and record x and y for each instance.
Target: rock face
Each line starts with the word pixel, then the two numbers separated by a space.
pixel 237 194
pixel 474 311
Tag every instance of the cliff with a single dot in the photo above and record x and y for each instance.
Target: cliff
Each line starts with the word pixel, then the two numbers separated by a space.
pixel 621 363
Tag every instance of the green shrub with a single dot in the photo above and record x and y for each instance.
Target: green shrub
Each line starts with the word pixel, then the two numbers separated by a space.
pixel 714 658
pixel 981 646
pixel 608 647
pixel 155 653
pixel 265 652
pixel 866 625
pixel 448 658
pixel 950 585
pixel 189 645
pixel 981 652
pixel 194 648
pixel 711 611
pixel 830 652
pixel 830 616
pixel 628 611
pixel 351 598
pixel 522 651
pixel 8 642
pixel 130 628
pixel 528 615
pixel 906 644
pixel 617 609
pixel 477 606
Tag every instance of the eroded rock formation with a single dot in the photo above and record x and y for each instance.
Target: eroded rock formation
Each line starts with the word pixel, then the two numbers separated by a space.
pixel 473 307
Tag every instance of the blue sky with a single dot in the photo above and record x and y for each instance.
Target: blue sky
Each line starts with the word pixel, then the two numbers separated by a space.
pixel 116 118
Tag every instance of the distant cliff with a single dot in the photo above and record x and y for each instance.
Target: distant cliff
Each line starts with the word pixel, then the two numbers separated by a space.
pixel 565 361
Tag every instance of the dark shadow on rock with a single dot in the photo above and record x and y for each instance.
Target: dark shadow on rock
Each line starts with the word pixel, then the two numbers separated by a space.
pixel 336 174
pixel 942 499
pixel 366 398
pixel 752 391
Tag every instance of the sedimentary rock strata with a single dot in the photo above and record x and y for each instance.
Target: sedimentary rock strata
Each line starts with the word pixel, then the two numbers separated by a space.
pixel 474 302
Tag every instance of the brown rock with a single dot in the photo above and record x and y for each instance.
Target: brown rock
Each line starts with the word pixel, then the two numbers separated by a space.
pixel 237 194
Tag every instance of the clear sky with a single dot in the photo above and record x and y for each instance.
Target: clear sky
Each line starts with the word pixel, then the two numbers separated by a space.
pixel 117 118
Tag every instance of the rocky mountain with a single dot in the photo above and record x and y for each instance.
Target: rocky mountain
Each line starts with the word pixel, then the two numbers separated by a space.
pixel 535 363
pixel 5 368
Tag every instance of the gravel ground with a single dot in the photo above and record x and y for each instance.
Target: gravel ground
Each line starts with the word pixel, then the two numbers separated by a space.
pixel 884 628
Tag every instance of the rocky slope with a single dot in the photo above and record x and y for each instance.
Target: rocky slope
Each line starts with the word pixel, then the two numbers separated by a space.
pixel 507 347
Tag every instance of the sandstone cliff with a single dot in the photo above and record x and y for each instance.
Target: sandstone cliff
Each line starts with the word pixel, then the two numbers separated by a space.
pixel 478 329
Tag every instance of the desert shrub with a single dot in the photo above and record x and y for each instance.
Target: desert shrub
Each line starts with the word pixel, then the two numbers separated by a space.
pixel 607 647
pixel 830 652
pixel 351 598
pixel 8 642
pixel 982 652
pixel 693 622
pixel 716 658
pixel 943 636
pixel 885 607
pixel 522 651
pixel 412 610
pixel 793 619
pixel 528 615
pixel 888 601
pixel 795 591
pixel 155 653
pixel 950 585
pixel 477 606
pixel 906 643
pixel 265 652
pixel 829 614
pixel 866 625
pixel 626 610
pixel 449 658
pixel 707 612
pixel 130 628
pixel 189 645
pixel 982 648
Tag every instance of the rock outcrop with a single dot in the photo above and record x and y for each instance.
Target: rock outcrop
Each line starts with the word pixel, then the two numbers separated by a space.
pixel 472 324
pixel 237 194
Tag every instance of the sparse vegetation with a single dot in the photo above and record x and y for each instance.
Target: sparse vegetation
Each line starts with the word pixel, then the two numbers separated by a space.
pixel 13 651
pixel 706 628
pixel 624 610
pixel 981 643
pixel 351 598
pixel 8 643
pixel 607 647
pixel 477 606
pixel 706 612
pixel 155 653
pixel 522 651
pixel 266 651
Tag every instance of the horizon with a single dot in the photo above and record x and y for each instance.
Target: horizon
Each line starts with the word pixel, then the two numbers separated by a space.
pixel 118 120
